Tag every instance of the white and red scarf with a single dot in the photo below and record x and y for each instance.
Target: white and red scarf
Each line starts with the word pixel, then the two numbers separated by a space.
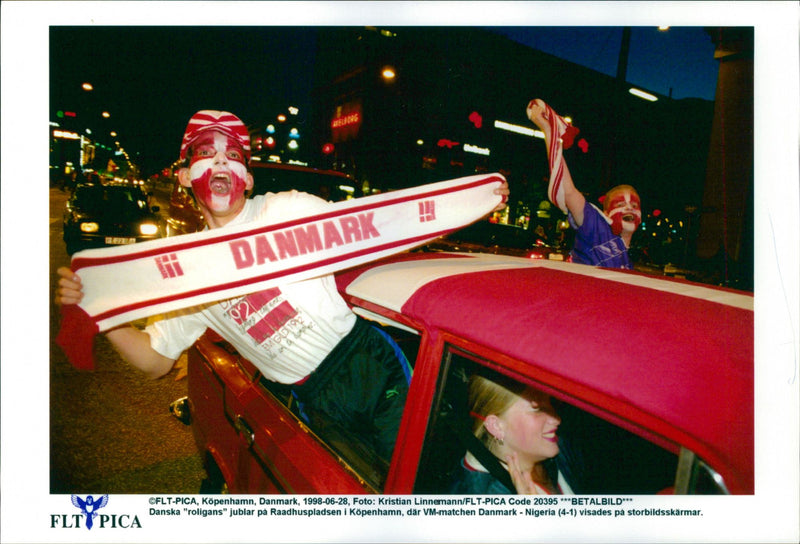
pixel 562 136
pixel 125 283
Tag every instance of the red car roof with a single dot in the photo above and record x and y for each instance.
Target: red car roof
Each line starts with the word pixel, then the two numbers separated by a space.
pixel 666 358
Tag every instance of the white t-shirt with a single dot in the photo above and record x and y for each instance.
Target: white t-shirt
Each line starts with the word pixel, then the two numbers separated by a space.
pixel 286 332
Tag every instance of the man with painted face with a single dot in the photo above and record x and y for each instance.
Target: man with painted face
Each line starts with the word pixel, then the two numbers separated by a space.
pixel 302 334
pixel 602 238
pixel 216 146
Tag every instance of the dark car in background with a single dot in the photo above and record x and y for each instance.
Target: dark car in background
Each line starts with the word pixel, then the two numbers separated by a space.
pixel 268 177
pixel 500 239
pixel 101 215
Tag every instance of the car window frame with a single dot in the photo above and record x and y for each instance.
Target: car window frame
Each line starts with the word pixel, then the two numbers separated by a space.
pixel 690 470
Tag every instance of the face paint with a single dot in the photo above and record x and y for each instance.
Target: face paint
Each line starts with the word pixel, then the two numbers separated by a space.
pixel 218 172
pixel 623 208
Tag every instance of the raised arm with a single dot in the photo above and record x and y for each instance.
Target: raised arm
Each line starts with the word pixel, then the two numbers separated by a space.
pixel 131 343
pixel 547 121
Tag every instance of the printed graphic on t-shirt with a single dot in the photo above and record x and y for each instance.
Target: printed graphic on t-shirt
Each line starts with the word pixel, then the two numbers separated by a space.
pixel 268 319
pixel 608 251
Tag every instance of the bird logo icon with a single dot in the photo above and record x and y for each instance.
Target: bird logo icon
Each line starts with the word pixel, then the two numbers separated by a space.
pixel 89 507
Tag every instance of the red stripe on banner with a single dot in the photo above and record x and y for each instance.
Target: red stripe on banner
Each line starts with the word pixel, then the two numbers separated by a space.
pixel 284 272
pixel 82 262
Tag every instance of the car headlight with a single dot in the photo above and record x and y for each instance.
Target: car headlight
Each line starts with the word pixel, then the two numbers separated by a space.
pixel 148 229
pixel 89 226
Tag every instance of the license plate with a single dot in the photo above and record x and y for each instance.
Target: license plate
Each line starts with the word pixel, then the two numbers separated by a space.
pixel 556 257
pixel 113 240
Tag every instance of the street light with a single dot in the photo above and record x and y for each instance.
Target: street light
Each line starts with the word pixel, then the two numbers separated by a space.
pixel 642 94
pixel 388 73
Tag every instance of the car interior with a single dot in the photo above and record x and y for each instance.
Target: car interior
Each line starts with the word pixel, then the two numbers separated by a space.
pixel 596 457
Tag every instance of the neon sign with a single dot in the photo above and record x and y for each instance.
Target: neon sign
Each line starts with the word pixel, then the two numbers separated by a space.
pixel 469 148
pixel 65 134
pixel 444 142
pixel 347 120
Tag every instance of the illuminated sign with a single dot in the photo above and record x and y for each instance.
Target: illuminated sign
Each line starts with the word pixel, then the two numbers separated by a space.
pixel 469 148
pixel 641 94
pixel 65 134
pixel 346 120
pixel 444 142
pixel 527 131
pixel 476 119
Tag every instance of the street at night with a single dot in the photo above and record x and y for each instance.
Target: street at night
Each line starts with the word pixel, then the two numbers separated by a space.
pixel 110 428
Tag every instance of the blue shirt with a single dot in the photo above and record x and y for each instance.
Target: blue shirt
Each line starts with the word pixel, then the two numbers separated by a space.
pixel 595 244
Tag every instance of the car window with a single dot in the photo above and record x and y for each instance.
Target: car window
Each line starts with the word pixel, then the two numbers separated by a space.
pixel 87 196
pixel 109 198
pixel 596 457
pixel 696 477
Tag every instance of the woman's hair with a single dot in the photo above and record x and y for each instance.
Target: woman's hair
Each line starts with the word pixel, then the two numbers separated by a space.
pixel 490 396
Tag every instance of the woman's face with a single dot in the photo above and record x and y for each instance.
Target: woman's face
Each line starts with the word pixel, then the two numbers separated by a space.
pixel 530 426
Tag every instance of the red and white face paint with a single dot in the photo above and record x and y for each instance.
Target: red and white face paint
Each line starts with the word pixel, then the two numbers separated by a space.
pixel 218 172
pixel 623 207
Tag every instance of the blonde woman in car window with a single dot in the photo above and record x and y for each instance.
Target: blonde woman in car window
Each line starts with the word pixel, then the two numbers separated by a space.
pixel 517 425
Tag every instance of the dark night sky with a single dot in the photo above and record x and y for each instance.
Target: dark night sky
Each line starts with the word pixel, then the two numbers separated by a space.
pixel 152 79
pixel 680 58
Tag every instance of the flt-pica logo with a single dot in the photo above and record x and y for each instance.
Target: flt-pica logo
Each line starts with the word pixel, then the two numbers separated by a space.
pixel 89 508
pixel 89 516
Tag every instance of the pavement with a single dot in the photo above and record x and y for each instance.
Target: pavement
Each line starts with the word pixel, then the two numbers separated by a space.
pixel 110 429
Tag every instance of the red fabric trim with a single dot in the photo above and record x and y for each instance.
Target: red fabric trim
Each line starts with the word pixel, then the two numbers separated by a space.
pixel 470 467
pixel 76 336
